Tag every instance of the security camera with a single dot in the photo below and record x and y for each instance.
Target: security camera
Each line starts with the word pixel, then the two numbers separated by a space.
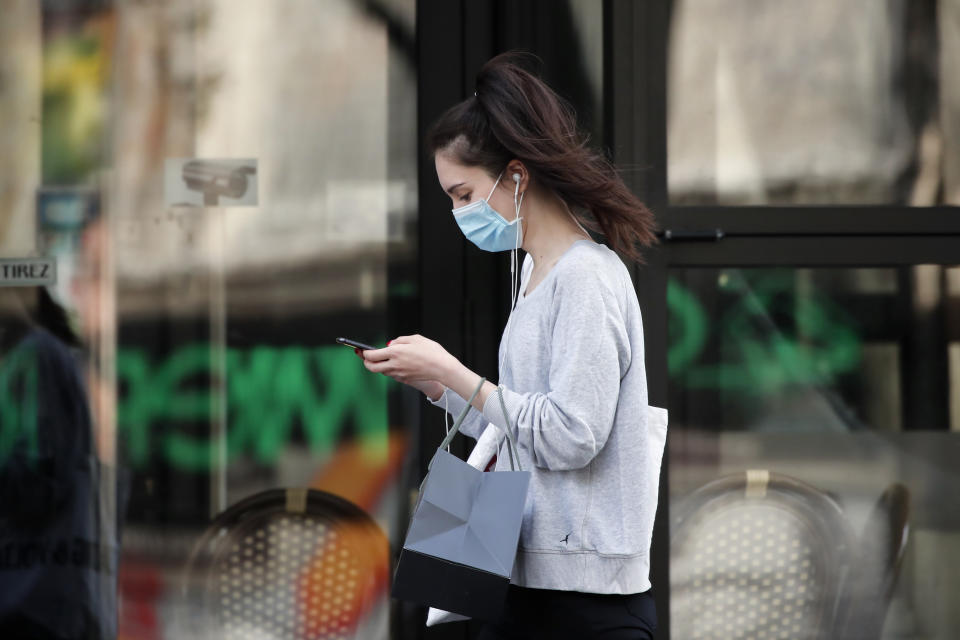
pixel 215 179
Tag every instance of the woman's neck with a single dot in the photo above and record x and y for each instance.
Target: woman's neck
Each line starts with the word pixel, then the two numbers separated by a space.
pixel 549 228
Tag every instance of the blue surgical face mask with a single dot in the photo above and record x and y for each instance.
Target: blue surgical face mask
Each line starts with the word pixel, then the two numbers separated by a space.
pixel 486 228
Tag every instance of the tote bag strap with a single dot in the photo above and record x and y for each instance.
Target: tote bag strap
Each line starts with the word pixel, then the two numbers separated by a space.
pixel 511 444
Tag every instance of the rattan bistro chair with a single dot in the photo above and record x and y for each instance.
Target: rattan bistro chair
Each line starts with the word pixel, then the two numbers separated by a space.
pixel 758 555
pixel 286 564
pixel 876 566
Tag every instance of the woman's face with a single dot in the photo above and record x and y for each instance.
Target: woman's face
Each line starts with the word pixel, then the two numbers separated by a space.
pixel 468 184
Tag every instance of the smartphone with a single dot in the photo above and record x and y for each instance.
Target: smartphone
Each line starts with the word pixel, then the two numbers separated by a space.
pixel 355 344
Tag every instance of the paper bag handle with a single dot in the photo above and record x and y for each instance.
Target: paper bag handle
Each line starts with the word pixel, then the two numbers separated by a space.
pixel 511 445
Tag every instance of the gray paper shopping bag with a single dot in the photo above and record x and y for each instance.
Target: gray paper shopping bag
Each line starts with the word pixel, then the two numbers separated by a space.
pixel 462 541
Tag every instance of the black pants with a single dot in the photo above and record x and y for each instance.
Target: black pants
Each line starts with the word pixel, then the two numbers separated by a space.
pixel 539 613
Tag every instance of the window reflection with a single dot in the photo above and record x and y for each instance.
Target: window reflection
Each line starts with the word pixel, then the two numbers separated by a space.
pixel 818 102
pixel 229 381
pixel 58 533
pixel 830 378
pixel 220 183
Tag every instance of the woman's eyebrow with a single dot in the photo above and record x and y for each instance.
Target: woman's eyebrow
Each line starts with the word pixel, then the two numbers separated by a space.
pixel 451 188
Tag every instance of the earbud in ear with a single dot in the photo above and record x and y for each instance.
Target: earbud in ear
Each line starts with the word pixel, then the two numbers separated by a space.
pixel 516 177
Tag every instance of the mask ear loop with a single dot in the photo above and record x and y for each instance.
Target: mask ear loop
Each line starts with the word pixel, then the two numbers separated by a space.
pixel 494 187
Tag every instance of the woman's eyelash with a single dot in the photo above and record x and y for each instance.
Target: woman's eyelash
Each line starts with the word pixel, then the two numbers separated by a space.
pixel 465 197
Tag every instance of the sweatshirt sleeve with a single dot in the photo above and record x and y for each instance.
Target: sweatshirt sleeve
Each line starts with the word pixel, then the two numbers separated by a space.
pixel 567 426
pixel 473 425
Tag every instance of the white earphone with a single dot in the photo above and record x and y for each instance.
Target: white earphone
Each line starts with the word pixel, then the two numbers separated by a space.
pixel 514 284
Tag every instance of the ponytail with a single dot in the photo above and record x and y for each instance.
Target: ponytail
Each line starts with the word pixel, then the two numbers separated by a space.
pixel 515 115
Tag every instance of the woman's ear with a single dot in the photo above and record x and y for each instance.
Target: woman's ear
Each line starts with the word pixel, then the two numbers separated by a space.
pixel 518 175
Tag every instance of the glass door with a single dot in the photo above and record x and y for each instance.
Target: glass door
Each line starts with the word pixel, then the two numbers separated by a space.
pixel 812 295
pixel 801 310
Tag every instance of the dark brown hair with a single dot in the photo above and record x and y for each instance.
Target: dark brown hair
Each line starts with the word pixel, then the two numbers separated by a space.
pixel 515 115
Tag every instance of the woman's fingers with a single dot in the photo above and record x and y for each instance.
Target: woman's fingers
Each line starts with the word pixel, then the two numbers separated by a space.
pixel 375 365
pixel 382 367
pixel 378 355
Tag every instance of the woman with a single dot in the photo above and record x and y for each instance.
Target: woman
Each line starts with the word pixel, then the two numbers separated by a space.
pixel 571 359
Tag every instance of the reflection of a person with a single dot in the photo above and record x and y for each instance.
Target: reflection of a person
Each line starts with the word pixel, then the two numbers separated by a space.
pixel 57 563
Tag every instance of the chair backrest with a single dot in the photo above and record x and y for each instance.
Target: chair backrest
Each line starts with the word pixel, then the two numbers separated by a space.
pixel 287 563
pixel 757 555
pixel 876 566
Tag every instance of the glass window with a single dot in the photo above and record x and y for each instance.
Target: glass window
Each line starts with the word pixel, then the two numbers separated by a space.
pixel 820 102
pixel 843 379
pixel 219 184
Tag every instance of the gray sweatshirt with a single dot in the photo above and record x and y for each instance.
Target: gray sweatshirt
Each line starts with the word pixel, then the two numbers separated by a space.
pixel 574 384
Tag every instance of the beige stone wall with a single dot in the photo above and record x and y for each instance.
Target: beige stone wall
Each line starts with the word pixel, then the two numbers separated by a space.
pixel 949 24
pixel 20 106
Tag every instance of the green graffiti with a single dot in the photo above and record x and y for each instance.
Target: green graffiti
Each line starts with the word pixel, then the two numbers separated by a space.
pixel 165 407
pixel 269 391
pixel 756 356
pixel 19 388
pixel 688 332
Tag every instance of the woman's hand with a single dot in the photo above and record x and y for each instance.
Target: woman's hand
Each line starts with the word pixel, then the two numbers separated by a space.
pixel 431 388
pixel 413 360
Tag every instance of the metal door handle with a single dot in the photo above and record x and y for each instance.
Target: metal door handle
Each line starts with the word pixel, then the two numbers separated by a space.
pixel 693 236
